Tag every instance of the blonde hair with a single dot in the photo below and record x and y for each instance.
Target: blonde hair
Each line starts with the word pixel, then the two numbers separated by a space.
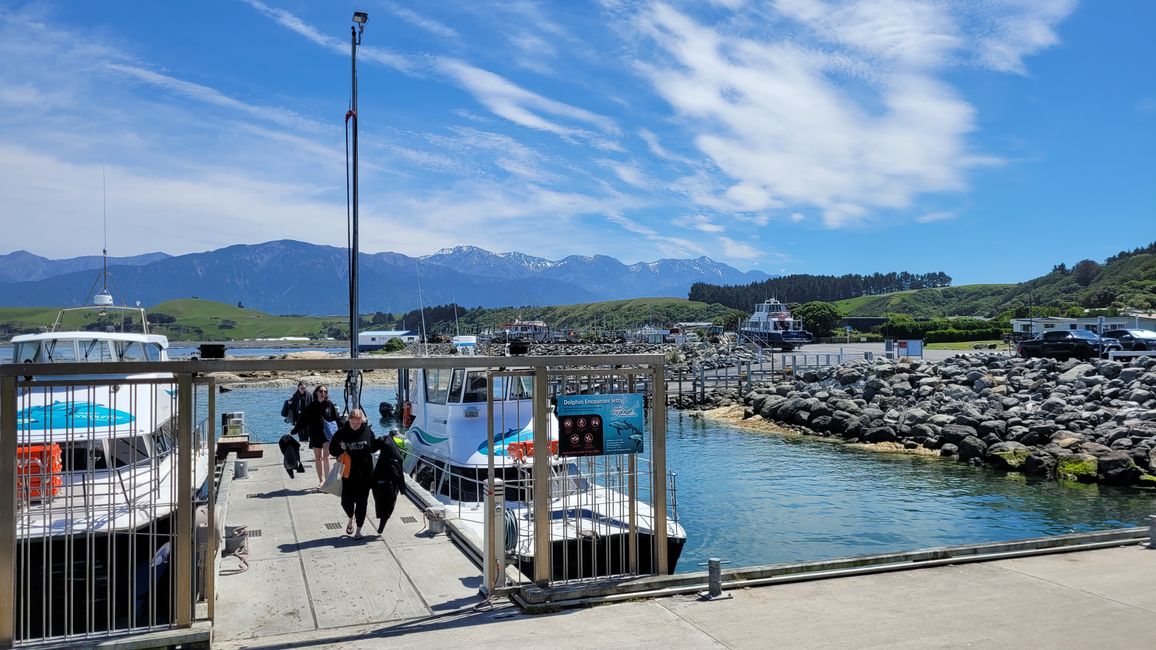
pixel 357 413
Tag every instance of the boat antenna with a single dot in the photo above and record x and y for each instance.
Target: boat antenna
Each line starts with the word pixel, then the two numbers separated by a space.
pixel 353 379
pixel 457 330
pixel 421 307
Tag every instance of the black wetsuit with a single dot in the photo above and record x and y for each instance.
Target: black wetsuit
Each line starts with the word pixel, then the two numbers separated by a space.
pixel 388 480
pixel 359 444
pixel 291 452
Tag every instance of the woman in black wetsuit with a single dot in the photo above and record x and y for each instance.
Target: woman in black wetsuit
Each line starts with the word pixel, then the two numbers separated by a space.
pixel 356 440
pixel 312 423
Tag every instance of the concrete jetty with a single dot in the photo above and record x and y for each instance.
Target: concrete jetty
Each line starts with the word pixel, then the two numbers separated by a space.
pixel 310 586
pixel 305 575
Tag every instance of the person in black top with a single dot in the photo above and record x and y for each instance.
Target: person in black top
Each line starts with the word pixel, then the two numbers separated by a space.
pixel 312 423
pixel 356 440
pixel 388 479
pixel 297 403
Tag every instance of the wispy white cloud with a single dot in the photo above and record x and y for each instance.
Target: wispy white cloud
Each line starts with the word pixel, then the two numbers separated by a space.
pixel 933 217
pixel 1016 29
pixel 701 223
pixel 294 24
pixel 1146 105
pixel 522 106
pixel 428 24
pixel 216 98
pixel 738 250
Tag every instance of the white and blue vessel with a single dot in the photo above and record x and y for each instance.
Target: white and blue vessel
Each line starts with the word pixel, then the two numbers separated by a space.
pixel 96 476
pixel 445 415
pixel 773 326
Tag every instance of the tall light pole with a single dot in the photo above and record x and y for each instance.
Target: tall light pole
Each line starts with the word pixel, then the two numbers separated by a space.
pixel 353 387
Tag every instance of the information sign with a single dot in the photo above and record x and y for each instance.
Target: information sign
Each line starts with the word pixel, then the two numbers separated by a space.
pixel 594 425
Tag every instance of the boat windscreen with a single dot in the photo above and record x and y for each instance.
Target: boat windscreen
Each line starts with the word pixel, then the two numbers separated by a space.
pixel 456 385
pixel 94 350
pixel 26 352
pixel 60 350
pixel 130 351
pixel 475 388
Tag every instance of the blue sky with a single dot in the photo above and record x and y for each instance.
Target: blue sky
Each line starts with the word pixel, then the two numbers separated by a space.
pixel 989 140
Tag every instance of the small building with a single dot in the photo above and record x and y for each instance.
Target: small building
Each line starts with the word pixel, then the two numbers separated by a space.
pixel 649 334
pixel 1132 321
pixel 376 340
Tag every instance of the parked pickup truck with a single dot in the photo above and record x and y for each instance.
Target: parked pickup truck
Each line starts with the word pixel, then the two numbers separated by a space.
pixel 1134 340
pixel 1065 344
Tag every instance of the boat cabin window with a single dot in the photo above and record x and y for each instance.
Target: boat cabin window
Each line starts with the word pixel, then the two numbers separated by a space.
pixel 521 387
pixel 128 450
pixel 60 350
pixel 456 385
pixel 94 350
pixel 130 351
pixel 26 352
pixel 437 385
pixel 475 387
pixel 498 388
pixel 153 352
pixel 81 457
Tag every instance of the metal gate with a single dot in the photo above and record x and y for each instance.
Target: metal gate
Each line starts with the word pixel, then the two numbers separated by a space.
pixel 104 481
pixel 555 518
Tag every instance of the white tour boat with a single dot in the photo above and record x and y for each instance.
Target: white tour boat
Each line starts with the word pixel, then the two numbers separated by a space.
pixel 446 421
pixel 96 479
pixel 773 326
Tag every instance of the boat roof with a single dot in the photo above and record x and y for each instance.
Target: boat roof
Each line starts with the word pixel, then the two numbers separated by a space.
pixel 159 339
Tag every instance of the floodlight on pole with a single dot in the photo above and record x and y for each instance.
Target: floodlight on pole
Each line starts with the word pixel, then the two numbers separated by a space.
pixel 353 382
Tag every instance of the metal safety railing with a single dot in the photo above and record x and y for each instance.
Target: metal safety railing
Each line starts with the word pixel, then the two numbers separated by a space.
pixel 97 526
pixel 122 544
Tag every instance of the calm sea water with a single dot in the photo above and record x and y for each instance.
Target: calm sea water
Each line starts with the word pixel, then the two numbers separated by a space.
pixel 754 499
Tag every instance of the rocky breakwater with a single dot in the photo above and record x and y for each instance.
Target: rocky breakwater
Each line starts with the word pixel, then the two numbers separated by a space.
pixel 1085 421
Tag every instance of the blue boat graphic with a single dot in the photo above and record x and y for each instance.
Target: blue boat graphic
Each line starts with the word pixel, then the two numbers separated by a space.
pixel 70 415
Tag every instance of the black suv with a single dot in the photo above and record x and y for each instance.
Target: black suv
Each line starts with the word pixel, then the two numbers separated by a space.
pixel 1134 340
pixel 1064 344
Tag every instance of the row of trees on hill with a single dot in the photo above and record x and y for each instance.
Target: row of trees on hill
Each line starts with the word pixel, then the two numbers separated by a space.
pixel 809 288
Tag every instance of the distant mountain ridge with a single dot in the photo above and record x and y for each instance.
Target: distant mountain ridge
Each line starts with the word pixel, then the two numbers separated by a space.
pixel 293 277
pixel 22 266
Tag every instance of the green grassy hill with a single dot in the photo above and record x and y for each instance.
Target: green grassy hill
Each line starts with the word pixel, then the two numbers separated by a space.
pixel 191 320
pixel 206 320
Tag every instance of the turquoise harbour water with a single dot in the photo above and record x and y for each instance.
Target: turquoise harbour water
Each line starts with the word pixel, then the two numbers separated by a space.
pixel 754 499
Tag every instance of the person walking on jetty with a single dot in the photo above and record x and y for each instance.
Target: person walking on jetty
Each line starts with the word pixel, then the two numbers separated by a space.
pixel 388 479
pixel 296 404
pixel 356 441
pixel 315 419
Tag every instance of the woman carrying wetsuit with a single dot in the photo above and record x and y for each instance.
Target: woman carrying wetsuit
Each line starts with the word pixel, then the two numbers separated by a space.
pixel 355 439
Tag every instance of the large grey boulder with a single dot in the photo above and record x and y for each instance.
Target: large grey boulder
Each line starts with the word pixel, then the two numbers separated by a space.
pixel 972 447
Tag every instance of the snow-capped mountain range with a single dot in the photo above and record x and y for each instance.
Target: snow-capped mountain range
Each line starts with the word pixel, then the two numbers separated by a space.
pixel 292 277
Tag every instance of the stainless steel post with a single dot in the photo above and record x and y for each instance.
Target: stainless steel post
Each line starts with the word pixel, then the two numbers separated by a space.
pixel 542 561
pixel 210 567
pixel 495 542
pixel 658 469
pixel 183 533
pixel 8 437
